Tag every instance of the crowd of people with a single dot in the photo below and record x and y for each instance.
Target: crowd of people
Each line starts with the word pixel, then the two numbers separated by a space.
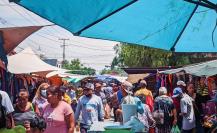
pixel 64 109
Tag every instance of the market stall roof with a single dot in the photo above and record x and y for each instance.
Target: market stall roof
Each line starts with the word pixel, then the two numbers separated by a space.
pixel 176 25
pixel 134 78
pixel 208 68
pixel 143 70
pixel 28 62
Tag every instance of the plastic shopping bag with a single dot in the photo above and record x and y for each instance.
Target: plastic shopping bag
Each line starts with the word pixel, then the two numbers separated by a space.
pixel 175 129
pixel 136 125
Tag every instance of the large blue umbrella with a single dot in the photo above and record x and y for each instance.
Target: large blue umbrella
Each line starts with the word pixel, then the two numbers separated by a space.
pixel 177 25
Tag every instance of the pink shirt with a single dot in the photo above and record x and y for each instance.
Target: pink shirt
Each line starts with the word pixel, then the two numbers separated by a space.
pixel 55 117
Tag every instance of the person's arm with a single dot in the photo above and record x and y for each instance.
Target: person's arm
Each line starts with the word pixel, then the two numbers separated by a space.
pixel 78 110
pixel 6 102
pixel 101 112
pixel 10 121
pixel 149 115
pixel 175 116
pixel 183 106
pixel 70 122
pixel 36 109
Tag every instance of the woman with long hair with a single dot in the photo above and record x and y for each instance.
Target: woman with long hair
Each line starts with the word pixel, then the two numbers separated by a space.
pixel 40 98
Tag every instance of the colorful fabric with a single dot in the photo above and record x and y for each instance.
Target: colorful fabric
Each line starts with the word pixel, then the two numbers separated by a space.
pixel 203 90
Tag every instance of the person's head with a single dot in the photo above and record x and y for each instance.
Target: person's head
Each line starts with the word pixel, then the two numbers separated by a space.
pixel 70 87
pixel 54 94
pixel 23 97
pixel 202 80
pixel 41 91
pixel 114 87
pixel 143 83
pixel 38 125
pixel 162 91
pixel 126 88
pixel 190 88
pixel 63 89
pixel 177 93
pixel 74 100
pixel 79 92
pixel 181 84
pixel 98 86
pixel 88 89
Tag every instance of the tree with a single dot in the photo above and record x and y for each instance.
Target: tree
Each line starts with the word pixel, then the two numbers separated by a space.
pixel 77 68
pixel 129 55
pixel 113 71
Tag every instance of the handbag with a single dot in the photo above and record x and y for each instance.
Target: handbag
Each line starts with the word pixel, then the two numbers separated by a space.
pixel 158 115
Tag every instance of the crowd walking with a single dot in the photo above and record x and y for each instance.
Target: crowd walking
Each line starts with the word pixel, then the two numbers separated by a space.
pixel 67 108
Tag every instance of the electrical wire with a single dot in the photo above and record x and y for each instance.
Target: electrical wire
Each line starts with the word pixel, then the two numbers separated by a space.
pixel 70 39
pixel 72 44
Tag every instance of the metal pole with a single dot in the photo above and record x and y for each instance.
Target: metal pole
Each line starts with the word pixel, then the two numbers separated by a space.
pixel 64 46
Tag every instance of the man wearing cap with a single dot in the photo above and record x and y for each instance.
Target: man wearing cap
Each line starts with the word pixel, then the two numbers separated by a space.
pixel 99 92
pixel 180 86
pixel 91 107
pixel 187 110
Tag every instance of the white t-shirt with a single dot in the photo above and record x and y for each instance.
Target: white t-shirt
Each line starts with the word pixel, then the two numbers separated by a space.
pixel 186 104
pixel 6 102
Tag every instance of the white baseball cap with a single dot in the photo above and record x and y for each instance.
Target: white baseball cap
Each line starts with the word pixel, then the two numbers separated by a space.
pixel 180 82
pixel 89 86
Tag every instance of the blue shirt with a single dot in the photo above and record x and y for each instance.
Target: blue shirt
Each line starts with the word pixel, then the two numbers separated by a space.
pixel 91 108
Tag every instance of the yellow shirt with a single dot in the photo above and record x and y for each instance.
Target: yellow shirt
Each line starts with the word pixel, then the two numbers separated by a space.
pixel 67 99
pixel 144 92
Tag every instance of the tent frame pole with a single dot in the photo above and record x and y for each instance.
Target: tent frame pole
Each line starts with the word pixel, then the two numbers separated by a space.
pixel 204 3
pixel 90 25
pixel 180 34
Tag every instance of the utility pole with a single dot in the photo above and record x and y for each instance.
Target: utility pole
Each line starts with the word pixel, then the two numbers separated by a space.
pixel 63 46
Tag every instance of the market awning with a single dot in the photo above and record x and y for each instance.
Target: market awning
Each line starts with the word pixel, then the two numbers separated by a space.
pixel 14 36
pixel 201 69
pixel 177 25
pixel 28 62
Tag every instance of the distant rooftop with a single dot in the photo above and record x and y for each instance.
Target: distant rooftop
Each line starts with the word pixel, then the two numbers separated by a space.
pixel 52 62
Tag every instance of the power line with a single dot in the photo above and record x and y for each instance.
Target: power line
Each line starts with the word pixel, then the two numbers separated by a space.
pixel 70 39
pixel 22 15
pixel 72 44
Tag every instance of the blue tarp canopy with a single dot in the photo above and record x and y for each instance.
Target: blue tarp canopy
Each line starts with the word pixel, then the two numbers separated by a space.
pixel 166 24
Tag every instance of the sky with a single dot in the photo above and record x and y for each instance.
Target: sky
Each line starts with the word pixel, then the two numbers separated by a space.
pixel 93 53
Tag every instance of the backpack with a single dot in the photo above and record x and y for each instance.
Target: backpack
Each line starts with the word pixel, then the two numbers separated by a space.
pixel 2 114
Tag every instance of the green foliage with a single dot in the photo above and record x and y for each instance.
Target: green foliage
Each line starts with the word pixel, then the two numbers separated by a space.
pixel 140 56
pixel 77 68
pixel 115 71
